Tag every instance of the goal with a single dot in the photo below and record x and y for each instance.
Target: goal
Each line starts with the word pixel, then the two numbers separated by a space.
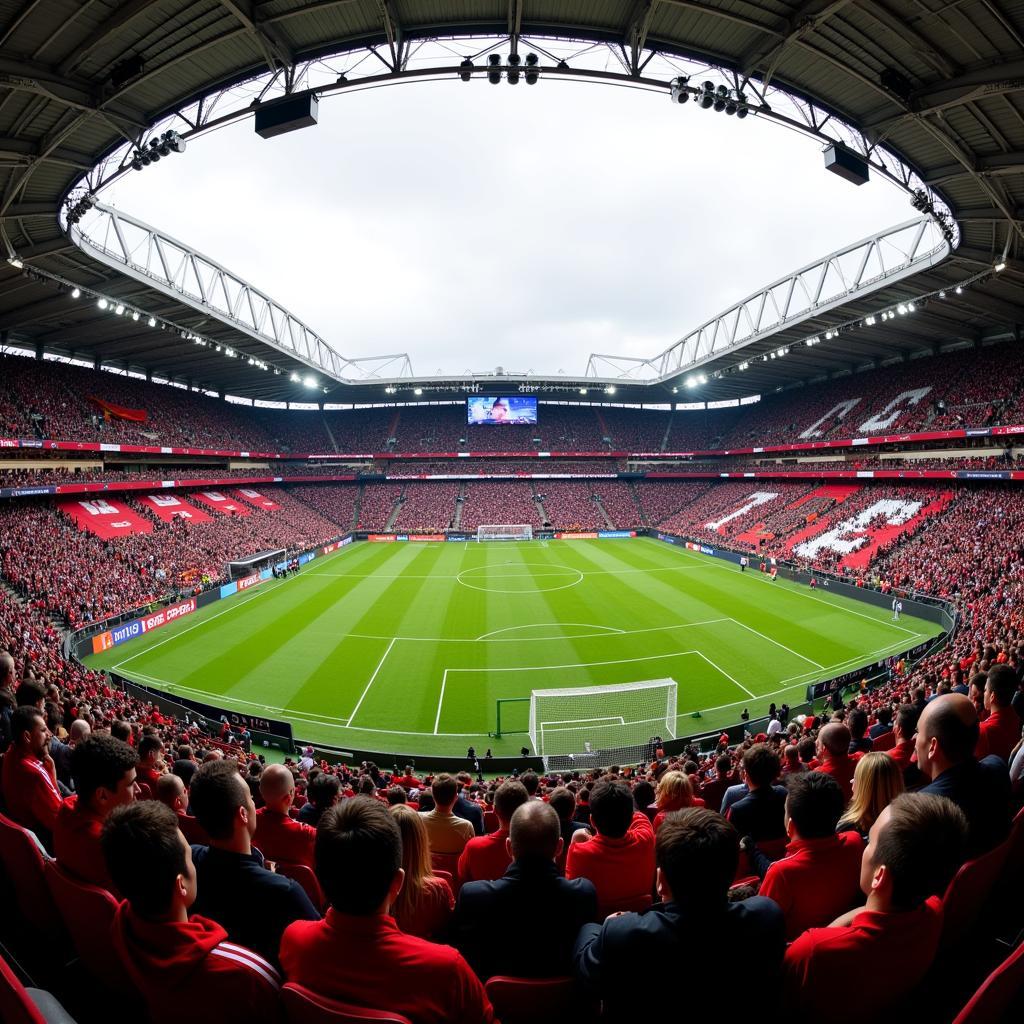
pixel 623 718
pixel 516 532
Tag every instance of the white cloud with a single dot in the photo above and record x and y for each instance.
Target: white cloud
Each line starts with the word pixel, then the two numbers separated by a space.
pixel 474 225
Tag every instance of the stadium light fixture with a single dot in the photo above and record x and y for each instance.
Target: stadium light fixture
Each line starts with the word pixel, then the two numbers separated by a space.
pixel 911 308
pixel 707 95
pixel 514 61
pixel 466 70
pixel 102 303
pixel 310 381
pixel 76 292
pixel 151 321
pixel 1000 267
pixel 701 379
pixel 959 290
pixel 494 72
pixel 691 382
pixel 942 294
pixel 901 309
pixel 15 262
pixel 532 74
pixel 678 90
pixel 294 378
pixel 119 308
pixel 135 315
pixel 869 321
pixel 417 391
pixel 610 390
pixel 583 391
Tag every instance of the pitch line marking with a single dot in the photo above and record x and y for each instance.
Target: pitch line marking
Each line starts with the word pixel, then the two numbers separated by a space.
pixel 726 674
pixel 242 603
pixel 327 720
pixel 764 636
pixel 366 690
pixel 533 625
pixel 711 561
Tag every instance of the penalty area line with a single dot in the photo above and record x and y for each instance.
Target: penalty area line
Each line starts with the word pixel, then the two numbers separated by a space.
pixel 366 690
pixel 722 671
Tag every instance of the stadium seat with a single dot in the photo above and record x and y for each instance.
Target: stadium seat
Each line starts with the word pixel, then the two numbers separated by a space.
pixel 446 862
pixel 533 1000
pixel 303 874
pixel 966 896
pixel 89 914
pixel 992 1002
pixel 304 1007
pixel 24 859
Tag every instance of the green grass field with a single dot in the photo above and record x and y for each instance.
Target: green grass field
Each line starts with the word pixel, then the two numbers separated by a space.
pixel 407 647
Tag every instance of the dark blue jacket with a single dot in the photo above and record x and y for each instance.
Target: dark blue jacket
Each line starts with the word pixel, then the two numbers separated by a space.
pixel 760 813
pixel 469 811
pixel 252 904
pixel 524 923
pixel 981 789
pixel 636 964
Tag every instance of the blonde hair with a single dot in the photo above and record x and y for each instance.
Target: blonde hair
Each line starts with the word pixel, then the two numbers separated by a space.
pixel 415 860
pixel 675 791
pixel 877 781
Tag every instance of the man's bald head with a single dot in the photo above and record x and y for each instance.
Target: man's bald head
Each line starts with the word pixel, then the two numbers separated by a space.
pixel 170 791
pixel 79 732
pixel 835 739
pixel 535 832
pixel 7 670
pixel 277 787
pixel 952 722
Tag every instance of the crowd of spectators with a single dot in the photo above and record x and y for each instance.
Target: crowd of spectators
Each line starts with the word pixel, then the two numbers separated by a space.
pixel 499 502
pixel 570 506
pixel 427 507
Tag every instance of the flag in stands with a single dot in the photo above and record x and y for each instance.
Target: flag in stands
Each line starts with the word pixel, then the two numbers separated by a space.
pixel 168 507
pixel 221 503
pixel 105 518
pixel 118 411
pixel 257 499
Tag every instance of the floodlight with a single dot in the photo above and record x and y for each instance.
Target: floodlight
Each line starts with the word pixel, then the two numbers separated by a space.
pixel 513 68
pixel 119 308
pixel 678 90
pixel 310 381
pixel 418 391
pixel 151 321
pixel 583 391
pixel 707 95
pixel 295 377
pixel 76 292
pixel 466 70
pixel 494 74
pixel 102 303
pixel 532 60
pixel 1000 267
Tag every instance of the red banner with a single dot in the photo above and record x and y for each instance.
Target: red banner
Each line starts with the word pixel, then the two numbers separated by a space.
pixel 168 507
pixel 119 411
pixel 381 537
pixel 257 499
pixel 222 503
pixel 105 518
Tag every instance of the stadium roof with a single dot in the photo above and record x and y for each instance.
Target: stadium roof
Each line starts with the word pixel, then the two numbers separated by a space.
pixel 940 85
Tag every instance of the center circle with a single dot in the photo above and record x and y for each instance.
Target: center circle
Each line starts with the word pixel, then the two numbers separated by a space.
pixel 506 580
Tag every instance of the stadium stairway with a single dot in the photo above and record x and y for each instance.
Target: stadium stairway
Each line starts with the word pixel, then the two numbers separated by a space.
pixel 541 510
pixel 604 512
pixel 668 432
pixel 327 428
pixel 396 508
pixel 459 498
pixel 631 486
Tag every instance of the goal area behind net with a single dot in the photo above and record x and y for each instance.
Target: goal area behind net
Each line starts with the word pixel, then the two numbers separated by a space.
pixel 586 720
pixel 521 531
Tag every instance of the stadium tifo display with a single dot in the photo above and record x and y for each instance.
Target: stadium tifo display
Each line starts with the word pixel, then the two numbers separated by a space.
pixel 578 646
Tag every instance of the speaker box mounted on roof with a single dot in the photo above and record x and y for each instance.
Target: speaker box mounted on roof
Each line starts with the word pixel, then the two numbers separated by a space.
pixel 847 164
pixel 287 115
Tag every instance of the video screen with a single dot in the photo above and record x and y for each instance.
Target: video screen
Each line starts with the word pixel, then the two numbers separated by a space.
pixel 512 409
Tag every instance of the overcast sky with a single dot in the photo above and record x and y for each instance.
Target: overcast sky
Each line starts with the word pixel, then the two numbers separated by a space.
pixel 475 225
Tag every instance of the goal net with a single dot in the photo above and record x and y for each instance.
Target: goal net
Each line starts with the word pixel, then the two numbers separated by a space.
pixel 624 719
pixel 517 532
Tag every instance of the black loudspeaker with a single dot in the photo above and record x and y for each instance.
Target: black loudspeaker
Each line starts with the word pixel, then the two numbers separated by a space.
pixel 287 115
pixel 847 164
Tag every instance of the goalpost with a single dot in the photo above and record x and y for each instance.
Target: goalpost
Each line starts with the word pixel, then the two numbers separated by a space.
pixel 521 531
pixel 623 718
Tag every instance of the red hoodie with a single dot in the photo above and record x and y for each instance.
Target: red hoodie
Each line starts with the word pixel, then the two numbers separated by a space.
pixel 189 972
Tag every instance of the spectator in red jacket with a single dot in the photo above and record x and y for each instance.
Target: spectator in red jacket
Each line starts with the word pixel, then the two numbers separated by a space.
pixel 178 963
pixel 485 858
pixel 903 730
pixel 1000 732
pixel 151 766
pixel 278 836
pixel 868 959
pixel 619 857
pixel 357 953
pixel 104 772
pixel 834 751
pixel 29 779
pixel 818 878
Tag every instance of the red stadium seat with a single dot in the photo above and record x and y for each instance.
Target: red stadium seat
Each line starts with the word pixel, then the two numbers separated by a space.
pixel 449 863
pixel 88 913
pixel 991 1003
pixel 304 1007
pixel 303 874
pixel 25 861
pixel 532 1000
pixel 967 894
pixel 16 1006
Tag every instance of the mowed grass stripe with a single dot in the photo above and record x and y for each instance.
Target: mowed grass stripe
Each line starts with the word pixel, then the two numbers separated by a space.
pixel 308 647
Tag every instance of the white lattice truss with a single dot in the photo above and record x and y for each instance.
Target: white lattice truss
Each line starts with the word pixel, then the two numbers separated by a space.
pixel 155 258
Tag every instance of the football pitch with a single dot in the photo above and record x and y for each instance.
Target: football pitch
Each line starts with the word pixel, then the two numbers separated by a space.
pixel 407 647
